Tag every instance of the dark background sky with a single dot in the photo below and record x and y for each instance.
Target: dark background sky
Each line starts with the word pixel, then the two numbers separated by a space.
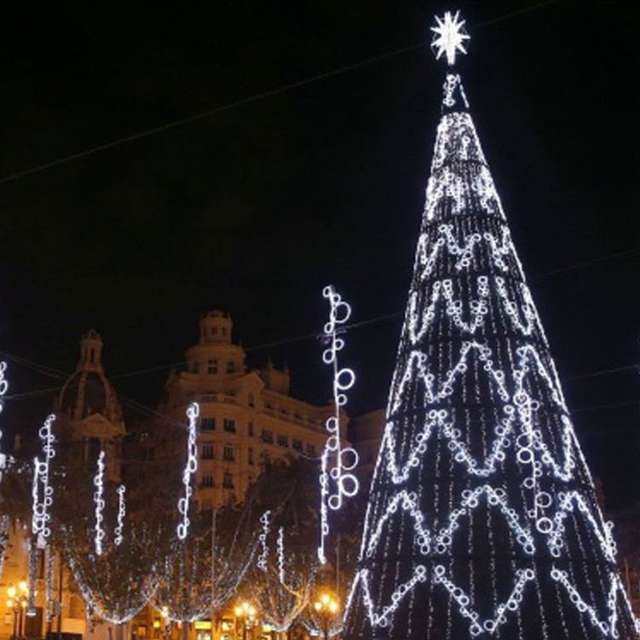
pixel 254 209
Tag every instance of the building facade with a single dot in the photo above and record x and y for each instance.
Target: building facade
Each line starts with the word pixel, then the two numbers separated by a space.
pixel 248 417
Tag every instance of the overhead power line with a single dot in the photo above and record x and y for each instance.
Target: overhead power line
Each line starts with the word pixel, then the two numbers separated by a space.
pixel 254 98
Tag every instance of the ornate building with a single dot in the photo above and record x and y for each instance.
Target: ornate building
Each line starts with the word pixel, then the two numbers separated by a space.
pixel 248 417
pixel 88 412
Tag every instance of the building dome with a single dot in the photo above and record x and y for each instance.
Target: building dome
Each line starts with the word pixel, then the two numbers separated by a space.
pixel 87 391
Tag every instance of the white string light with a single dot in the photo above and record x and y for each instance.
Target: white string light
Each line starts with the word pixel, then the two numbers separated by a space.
pixel 191 467
pixel 337 481
pixel 33 577
pixel 280 554
pixel 262 541
pixel 122 512
pixel 42 492
pixel 99 502
pixel 4 387
pixel 49 559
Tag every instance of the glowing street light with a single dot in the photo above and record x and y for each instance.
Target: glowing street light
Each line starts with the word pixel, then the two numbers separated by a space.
pixel 327 607
pixel 17 601
pixel 246 613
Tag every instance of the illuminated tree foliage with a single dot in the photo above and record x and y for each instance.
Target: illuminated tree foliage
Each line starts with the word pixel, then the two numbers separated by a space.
pixel 482 519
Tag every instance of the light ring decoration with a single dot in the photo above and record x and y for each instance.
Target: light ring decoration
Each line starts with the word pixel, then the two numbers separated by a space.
pixel 337 480
pixel 99 502
pixel 122 512
pixel 42 492
pixel 263 556
pixel 4 387
pixel 193 411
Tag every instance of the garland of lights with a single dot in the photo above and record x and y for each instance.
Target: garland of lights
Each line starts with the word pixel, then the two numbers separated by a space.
pixel 339 481
pixel 42 503
pixel 99 502
pixel 262 541
pixel 4 387
pixel 284 591
pixel 474 359
pixel 197 578
pixel 33 577
pixel 4 538
pixel 122 512
pixel 191 467
pixel 49 576
pixel 114 610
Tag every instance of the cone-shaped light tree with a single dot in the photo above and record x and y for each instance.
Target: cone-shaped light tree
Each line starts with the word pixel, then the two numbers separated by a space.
pixel 482 518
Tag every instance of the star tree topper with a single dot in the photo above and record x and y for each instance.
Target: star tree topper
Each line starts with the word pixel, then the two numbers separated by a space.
pixel 449 37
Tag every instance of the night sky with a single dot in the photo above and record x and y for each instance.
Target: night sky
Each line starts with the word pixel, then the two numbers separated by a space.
pixel 253 209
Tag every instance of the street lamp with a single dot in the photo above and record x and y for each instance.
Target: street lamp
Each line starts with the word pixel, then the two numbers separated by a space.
pixel 327 607
pixel 245 612
pixel 17 601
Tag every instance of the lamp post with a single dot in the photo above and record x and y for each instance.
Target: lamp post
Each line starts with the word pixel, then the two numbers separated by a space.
pixel 327 607
pixel 18 598
pixel 246 613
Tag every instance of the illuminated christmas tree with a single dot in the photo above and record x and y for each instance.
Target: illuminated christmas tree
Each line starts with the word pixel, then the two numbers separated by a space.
pixel 482 519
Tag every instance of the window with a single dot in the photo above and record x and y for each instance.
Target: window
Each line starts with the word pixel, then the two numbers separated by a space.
pixel 296 444
pixel 250 430
pixel 311 449
pixel 207 452
pixel 283 441
pixel 251 459
pixel 267 436
pixel 212 366
pixel 229 425
pixel 227 480
pixel 207 481
pixel 207 424
pixel 231 366
pixel 251 400
pixel 227 453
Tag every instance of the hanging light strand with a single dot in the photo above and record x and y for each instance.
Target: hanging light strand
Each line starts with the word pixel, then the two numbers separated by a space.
pixel 337 479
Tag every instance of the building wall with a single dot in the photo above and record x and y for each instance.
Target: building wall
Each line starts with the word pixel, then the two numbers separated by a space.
pixel 247 417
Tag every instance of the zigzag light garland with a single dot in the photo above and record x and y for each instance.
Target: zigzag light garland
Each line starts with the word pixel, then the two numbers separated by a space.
pixel 482 519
